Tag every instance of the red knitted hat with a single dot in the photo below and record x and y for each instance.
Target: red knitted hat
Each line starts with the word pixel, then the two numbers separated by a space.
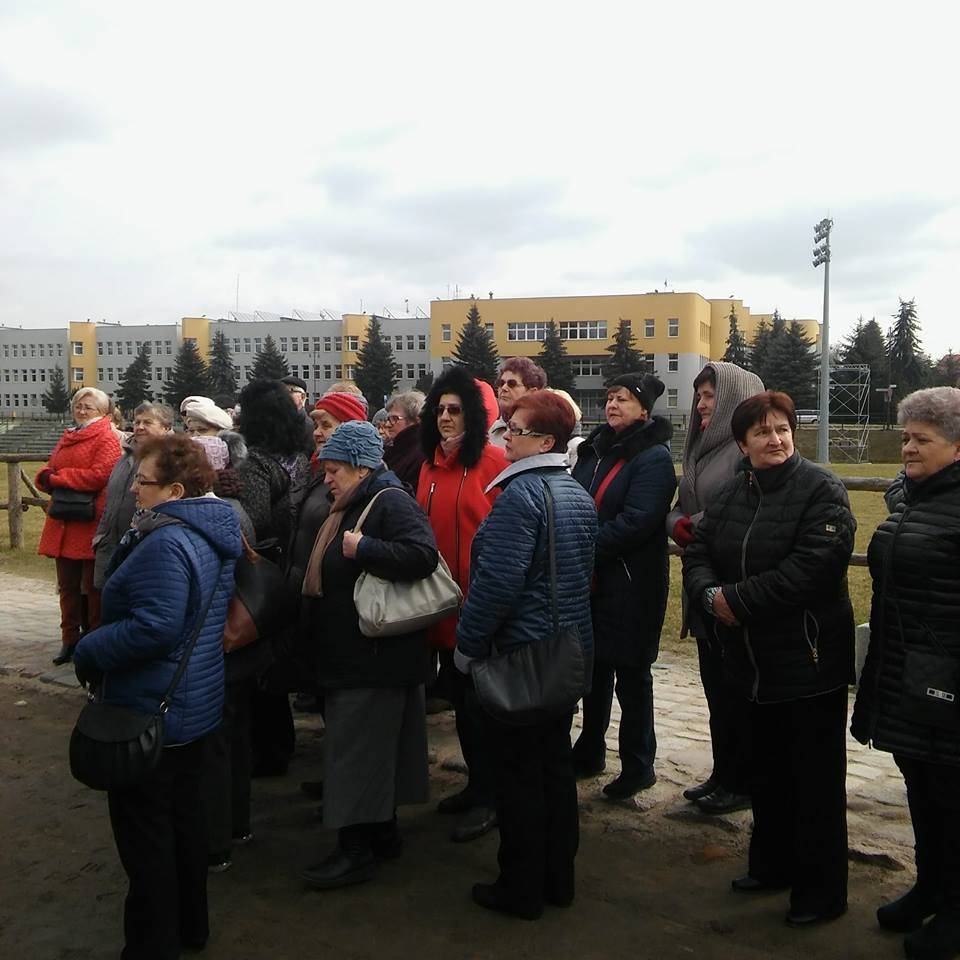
pixel 342 407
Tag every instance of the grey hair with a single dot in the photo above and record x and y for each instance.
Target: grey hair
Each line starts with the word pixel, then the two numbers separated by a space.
pixel 161 411
pixel 98 396
pixel 379 417
pixel 938 406
pixel 410 404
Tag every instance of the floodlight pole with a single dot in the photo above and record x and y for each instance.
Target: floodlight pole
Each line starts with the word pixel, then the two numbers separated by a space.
pixel 821 254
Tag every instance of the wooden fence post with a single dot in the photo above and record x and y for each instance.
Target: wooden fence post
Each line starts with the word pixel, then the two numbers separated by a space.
pixel 14 506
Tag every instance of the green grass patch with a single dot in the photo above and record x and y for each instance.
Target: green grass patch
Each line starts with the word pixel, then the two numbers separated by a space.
pixel 24 563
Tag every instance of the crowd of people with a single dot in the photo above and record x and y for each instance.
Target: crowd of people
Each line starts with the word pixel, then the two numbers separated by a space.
pixel 539 528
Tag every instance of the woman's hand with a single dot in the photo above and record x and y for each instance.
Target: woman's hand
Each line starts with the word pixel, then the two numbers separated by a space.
pixel 350 541
pixel 722 611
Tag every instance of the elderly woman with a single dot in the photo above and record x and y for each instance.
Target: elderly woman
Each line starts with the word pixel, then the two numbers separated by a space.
pixel 175 566
pixel 517 377
pixel 768 566
pixel 710 459
pixel 375 750
pixel 454 491
pixel 625 466
pixel 511 604
pixel 915 649
pixel 149 420
pixel 81 463
pixel 404 456
pixel 328 413
pixel 202 417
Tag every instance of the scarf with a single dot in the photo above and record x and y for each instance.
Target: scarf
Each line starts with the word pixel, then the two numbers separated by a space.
pixel 451 445
pixel 328 532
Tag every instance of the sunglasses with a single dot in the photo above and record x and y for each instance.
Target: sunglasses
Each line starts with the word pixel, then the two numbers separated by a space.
pixel 454 409
pixel 511 384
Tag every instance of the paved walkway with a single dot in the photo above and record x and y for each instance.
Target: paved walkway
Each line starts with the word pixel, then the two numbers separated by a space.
pixel 879 823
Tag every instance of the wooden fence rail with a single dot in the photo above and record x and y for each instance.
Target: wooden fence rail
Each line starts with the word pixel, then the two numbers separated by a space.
pixel 17 504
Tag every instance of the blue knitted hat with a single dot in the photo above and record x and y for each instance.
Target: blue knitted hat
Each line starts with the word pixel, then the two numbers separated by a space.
pixel 356 442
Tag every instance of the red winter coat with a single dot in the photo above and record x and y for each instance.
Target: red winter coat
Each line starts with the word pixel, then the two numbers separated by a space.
pixel 81 460
pixel 452 497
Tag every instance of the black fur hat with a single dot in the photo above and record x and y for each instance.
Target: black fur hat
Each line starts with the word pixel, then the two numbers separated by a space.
pixel 459 381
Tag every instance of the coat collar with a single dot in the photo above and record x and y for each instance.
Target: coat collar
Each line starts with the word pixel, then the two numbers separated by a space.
pixel 772 477
pixel 557 461
pixel 632 440
pixel 942 480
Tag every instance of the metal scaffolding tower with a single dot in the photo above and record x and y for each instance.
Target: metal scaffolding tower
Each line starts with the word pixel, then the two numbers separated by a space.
pixel 849 389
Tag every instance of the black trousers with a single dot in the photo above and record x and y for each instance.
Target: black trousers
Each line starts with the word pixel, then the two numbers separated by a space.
pixel 933 793
pixel 458 688
pixel 536 800
pixel 161 837
pixel 729 719
pixel 273 738
pixel 638 740
pixel 227 764
pixel 798 789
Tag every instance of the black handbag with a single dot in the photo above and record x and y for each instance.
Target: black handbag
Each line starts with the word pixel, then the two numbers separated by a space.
pixel 67 504
pixel 537 681
pixel 931 685
pixel 115 748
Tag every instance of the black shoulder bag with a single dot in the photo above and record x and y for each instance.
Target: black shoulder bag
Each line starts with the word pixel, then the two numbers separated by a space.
pixel 113 747
pixel 537 681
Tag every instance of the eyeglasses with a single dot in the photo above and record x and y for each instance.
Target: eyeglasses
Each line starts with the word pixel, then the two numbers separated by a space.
pixel 516 431
pixel 511 384
pixel 144 482
pixel 83 406
pixel 395 418
pixel 454 409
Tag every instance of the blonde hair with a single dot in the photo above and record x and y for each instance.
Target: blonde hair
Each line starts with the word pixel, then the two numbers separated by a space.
pixel 98 396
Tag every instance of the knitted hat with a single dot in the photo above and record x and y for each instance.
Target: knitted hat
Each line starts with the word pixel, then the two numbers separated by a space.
pixel 356 442
pixel 218 453
pixel 200 408
pixel 644 386
pixel 342 407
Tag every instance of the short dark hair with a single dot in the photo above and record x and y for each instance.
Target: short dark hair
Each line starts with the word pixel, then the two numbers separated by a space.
pixel 755 409
pixel 533 376
pixel 179 460
pixel 706 375
pixel 550 415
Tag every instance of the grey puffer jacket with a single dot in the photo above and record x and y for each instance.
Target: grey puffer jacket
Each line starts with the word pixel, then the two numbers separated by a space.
pixel 711 457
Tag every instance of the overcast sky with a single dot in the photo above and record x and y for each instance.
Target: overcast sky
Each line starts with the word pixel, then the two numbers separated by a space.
pixel 368 154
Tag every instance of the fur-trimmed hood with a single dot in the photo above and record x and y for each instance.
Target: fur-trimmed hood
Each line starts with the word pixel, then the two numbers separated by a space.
pixel 476 421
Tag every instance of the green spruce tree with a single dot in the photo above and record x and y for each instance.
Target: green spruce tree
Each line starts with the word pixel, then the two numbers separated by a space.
pixel 189 376
pixel 555 360
pixel 910 367
pixel 624 356
pixel 475 348
pixel 866 346
pixel 56 398
pixel 269 363
pixel 736 351
pixel 223 377
pixel 791 366
pixel 134 384
pixel 376 371
pixel 947 370
pixel 425 382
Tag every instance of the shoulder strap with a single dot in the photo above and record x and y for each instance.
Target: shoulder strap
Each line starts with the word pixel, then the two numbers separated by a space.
pixel 552 554
pixel 607 480
pixel 358 526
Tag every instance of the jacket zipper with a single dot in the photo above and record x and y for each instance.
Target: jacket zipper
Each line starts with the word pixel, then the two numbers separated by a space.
pixel 433 486
pixel 456 514
pixel 743 574
pixel 625 570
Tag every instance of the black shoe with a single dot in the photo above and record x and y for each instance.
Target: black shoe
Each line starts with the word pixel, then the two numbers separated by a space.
pixel 341 868
pixel 487 895
pixel 628 784
pixel 312 789
pixel 700 790
pixel 939 939
pixel 219 862
pixel 810 918
pixel 748 884
pixel 460 802
pixel 479 821
pixel 908 912
pixel 722 800
pixel 64 656
pixel 584 771
pixel 242 838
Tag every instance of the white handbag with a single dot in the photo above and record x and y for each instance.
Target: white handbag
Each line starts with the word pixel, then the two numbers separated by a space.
pixel 387 608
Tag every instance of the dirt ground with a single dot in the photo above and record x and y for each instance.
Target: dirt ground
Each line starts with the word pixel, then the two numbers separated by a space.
pixel 652 882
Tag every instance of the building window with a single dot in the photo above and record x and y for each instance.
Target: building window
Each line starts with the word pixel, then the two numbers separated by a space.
pixel 583 330
pixel 673 327
pixel 316 344
pixel 246 345
pixel 6 350
pixel 236 344
pixel 59 349
pixel 129 348
pixel 283 344
pixel 353 343
pixel 348 371
pixel 316 371
pixel 77 348
pixel 397 343
pixel 527 331
pixel 649 328
pixel 338 346
pixel 43 375
pixel 704 333
pixel 446 362
pixel 338 371
pixel 327 371
pixel 410 341
pixel 587 366
pixel 168 344
pixel 305 345
pixel 650 359
pixel 158 344
pixel 78 374
pixel 33 349
pixel 672 397
pixel 673 362
pixel 236 371
pixel 100 374
pixel 258 344
pixel 247 374
pixel 421 370
pixel 445 332
pixel 421 341
pixel 410 374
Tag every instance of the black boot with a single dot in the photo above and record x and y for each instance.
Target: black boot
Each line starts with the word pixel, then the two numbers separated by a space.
pixel 937 940
pixel 700 790
pixel 351 861
pixel 64 656
pixel 908 912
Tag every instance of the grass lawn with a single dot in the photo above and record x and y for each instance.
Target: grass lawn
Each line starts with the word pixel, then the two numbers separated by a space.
pixel 868 508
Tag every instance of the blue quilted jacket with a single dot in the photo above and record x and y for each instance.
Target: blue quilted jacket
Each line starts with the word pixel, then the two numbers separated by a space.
pixel 508 603
pixel 149 608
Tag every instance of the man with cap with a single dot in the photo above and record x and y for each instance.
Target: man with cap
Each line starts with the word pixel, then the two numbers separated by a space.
pixel 297 389
pixel 625 466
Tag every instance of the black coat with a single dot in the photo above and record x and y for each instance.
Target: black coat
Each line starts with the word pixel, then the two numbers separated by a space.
pixel 270 495
pixel 398 545
pixel 778 541
pixel 631 571
pixel 915 565
pixel 405 456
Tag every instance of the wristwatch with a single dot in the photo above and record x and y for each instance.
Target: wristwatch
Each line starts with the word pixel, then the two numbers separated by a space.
pixel 708 596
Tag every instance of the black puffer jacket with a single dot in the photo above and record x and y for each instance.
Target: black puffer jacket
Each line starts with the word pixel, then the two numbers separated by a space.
pixel 915 564
pixel 631 573
pixel 778 541
pixel 397 544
